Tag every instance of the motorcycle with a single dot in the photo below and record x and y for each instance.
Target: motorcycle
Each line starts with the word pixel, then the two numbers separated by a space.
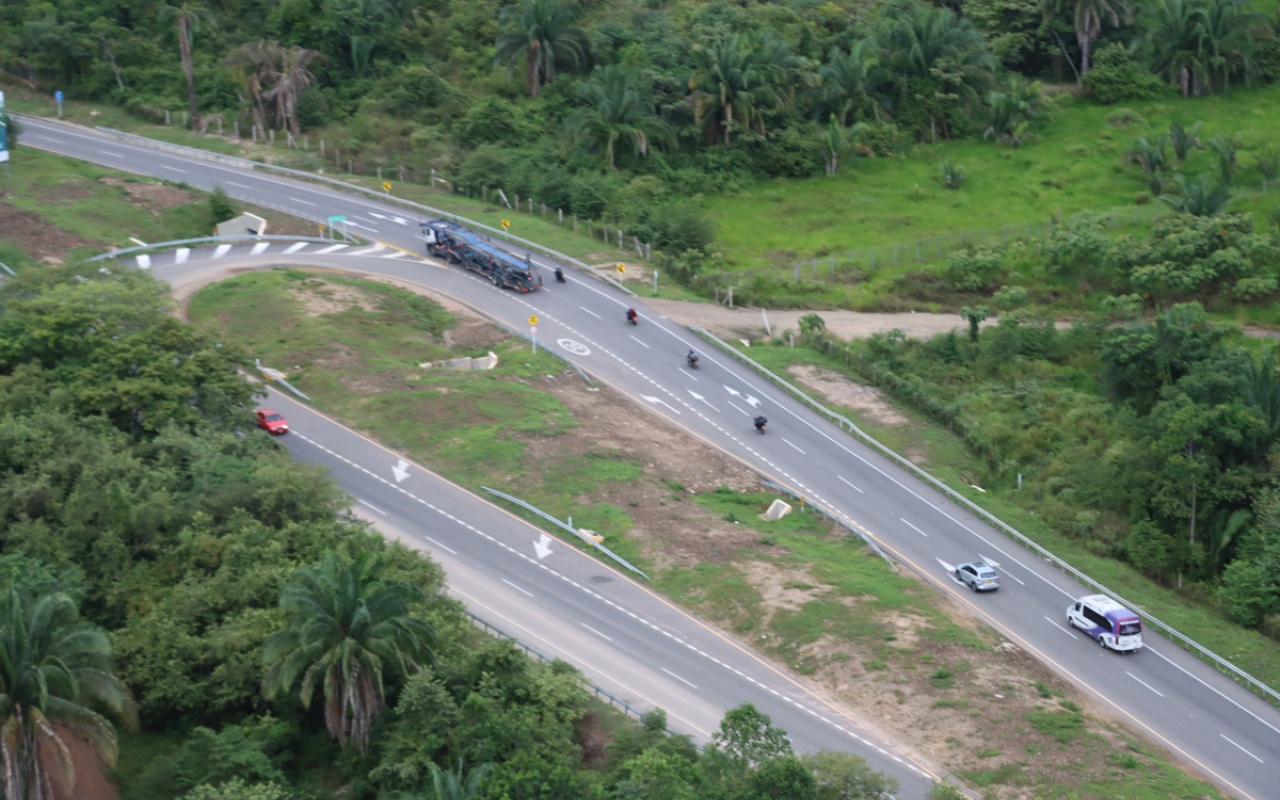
pixel 631 317
pixel 693 361
pixel 760 423
pixel 559 275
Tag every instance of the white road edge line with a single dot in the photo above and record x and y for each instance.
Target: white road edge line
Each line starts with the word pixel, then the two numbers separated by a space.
pixel 304 202
pixel 914 528
pixel 682 680
pixel 172 169
pixel 798 450
pixel 1064 630
pixel 371 505
pixel 1141 681
pixel 646 347
pixel 596 632
pixel 1149 649
pixel 730 402
pixel 517 588
pixel 1246 752
pixel 850 484
pixel 592 313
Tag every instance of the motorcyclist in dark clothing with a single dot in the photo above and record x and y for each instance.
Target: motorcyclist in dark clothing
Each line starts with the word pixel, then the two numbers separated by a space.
pixel 631 316
pixel 559 275
pixel 760 423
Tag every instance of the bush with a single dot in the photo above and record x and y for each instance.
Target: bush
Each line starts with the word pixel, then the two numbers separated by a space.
pixel 1116 76
pixel 221 208
pixel 952 176
pixel 1124 117
pixel 972 270
pixel 883 139
pixel 313 110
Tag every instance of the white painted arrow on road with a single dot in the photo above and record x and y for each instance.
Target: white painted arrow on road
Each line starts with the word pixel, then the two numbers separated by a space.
pixel 657 401
pixel 542 547
pixel 699 397
pixel 996 565
pixel 753 401
pixel 401 470
pixel 951 571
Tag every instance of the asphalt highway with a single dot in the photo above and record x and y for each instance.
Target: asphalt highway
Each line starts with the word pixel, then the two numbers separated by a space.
pixel 1217 728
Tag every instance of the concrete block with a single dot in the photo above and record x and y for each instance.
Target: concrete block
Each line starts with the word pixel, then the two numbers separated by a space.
pixel 488 362
pixel 777 510
pixel 592 535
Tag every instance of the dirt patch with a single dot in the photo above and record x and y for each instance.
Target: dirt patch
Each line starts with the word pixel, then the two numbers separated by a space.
pixel 841 391
pixel 593 739
pixel 670 528
pixel 40 238
pixel 152 195
pixel 330 298
pixel 727 322
pixel 70 189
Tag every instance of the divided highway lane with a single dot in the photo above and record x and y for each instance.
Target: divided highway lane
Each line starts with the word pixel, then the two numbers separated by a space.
pixel 1219 728
pixel 565 604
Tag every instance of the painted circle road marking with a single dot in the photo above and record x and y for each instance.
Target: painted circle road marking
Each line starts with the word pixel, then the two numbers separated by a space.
pixel 574 347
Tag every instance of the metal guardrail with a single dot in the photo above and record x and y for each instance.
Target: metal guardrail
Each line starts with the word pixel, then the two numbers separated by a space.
pixel 245 163
pixel 5 267
pixel 599 693
pixel 836 518
pixel 568 528
pixel 1206 655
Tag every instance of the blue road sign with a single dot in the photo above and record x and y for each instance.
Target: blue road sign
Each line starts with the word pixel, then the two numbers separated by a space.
pixel 57 97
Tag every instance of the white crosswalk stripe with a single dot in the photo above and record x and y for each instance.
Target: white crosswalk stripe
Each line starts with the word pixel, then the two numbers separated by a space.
pixel 181 255
pixel 221 250
pixel 259 248
pixel 333 248
pixel 295 247
pixel 144 262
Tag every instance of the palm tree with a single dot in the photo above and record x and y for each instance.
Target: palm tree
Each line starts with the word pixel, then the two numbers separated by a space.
pixel 188 18
pixel 851 80
pixel 734 80
pixel 540 31
pixel 1175 34
pixel 835 139
pixel 1011 110
pixel 253 65
pixel 923 41
pixel 291 79
pixel 1087 18
pixel 346 629
pixel 1184 140
pixel 1228 38
pixel 1151 158
pixel 457 785
pixel 52 669
pixel 1203 197
pixel 616 110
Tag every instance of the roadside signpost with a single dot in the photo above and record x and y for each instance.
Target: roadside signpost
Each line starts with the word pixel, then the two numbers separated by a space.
pixel 333 226
pixel 533 331
pixel 57 98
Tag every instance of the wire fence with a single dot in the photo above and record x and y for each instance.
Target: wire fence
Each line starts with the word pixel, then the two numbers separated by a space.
pixel 1195 648
pixel 600 694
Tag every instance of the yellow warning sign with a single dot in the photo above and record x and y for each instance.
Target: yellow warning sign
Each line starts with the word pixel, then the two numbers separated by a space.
pixel 506 223
pixel 533 320
pixel 622 268
pixel 386 186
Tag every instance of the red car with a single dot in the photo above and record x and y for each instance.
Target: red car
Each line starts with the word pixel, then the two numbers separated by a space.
pixel 271 421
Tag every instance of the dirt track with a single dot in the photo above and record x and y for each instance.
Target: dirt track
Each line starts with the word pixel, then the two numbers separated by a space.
pixel 845 324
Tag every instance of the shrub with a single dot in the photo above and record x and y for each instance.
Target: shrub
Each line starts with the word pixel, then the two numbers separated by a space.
pixel 1078 151
pixel 972 270
pixel 883 139
pixel 1116 76
pixel 952 175
pixel 1124 117
pixel 221 208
